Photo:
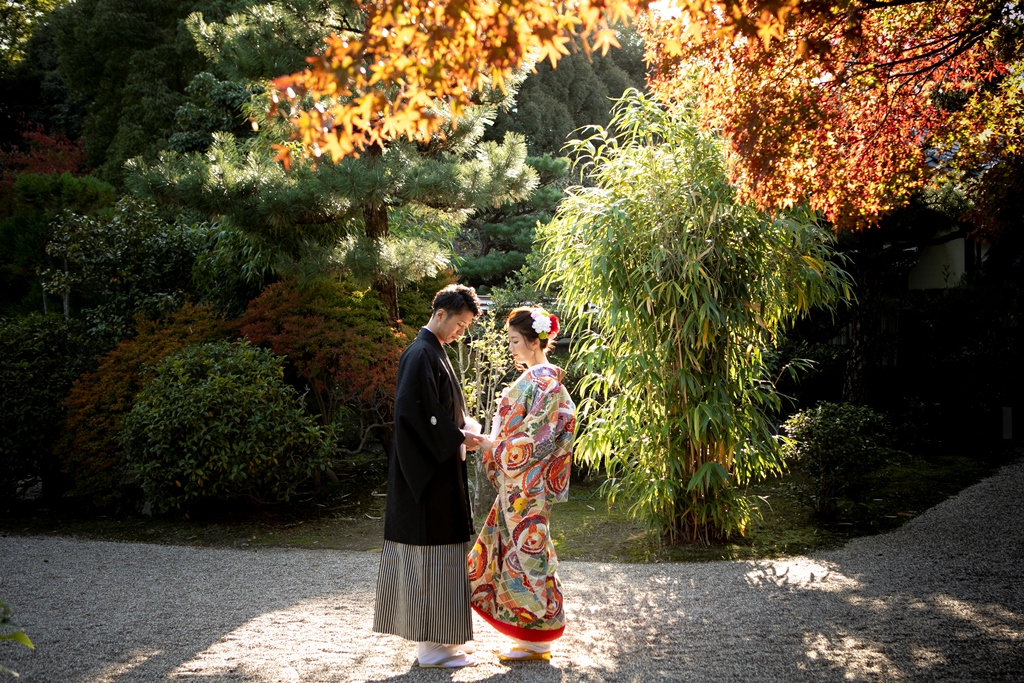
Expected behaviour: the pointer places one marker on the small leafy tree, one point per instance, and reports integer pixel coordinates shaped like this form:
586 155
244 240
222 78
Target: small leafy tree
484 365
29 206
837 445
217 421
675 291
126 261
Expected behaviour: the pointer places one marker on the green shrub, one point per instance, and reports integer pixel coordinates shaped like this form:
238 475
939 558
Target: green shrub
838 446
89 449
122 261
217 421
415 302
40 356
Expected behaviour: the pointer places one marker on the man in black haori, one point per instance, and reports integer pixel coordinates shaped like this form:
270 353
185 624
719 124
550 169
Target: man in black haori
423 584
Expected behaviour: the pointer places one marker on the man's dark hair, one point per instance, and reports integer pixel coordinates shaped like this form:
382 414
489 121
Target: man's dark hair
457 298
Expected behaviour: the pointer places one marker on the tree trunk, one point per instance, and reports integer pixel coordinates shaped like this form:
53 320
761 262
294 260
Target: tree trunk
855 379
375 218
67 293
483 490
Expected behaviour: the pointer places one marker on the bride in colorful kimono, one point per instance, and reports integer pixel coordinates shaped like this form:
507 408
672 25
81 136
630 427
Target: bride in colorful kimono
513 567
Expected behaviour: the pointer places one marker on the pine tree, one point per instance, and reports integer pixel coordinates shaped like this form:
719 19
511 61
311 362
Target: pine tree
384 214
495 244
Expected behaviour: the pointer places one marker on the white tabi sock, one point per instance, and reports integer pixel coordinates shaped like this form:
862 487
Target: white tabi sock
532 646
437 654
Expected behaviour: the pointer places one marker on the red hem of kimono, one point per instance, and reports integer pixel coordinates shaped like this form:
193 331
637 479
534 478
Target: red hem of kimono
528 634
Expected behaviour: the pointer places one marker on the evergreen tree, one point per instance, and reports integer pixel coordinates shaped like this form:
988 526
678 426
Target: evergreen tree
381 215
33 90
132 60
494 244
552 103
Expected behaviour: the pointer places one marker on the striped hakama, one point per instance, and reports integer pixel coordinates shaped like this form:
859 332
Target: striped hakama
423 593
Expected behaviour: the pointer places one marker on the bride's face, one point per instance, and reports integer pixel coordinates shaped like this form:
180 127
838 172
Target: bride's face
521 350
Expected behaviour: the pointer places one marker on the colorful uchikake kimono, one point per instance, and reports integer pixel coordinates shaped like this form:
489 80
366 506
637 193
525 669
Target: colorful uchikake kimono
512 567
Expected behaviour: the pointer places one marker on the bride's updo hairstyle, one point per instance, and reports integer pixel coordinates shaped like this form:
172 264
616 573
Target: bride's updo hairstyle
526 319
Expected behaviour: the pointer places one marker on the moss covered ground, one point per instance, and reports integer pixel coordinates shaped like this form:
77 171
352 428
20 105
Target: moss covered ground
585 528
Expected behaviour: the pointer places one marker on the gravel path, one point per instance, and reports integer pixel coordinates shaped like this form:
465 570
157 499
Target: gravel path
940 599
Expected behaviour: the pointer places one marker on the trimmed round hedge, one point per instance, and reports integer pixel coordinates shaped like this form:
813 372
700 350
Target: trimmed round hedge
217 421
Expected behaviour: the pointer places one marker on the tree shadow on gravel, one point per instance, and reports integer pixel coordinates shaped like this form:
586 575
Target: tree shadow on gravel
939 599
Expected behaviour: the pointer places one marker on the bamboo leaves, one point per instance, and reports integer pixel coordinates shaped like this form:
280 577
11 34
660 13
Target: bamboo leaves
685 288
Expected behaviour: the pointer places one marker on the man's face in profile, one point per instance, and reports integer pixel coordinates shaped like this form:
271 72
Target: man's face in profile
451 326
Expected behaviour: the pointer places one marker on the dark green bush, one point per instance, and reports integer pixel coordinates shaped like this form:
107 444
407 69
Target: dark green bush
122 261
415 302
40 356
838 446
217 421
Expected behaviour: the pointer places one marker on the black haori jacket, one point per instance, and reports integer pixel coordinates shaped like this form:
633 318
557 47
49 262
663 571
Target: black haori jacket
428 486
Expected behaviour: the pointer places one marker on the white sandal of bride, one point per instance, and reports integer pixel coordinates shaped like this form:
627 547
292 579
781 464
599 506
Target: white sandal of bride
522 654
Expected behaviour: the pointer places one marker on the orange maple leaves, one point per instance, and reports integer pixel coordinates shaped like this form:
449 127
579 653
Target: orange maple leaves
411 57
415 56
826 101
841 108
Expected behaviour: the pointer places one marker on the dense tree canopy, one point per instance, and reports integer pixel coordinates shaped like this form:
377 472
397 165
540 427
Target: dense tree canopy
855 107
380 79
18 18
553 103
847 103
133 61
380 215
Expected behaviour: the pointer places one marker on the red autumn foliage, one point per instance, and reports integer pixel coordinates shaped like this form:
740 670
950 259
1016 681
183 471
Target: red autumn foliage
41 154
839 109
44 154
340 345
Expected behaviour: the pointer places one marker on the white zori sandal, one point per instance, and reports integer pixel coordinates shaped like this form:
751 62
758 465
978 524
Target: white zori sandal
523 651
468 648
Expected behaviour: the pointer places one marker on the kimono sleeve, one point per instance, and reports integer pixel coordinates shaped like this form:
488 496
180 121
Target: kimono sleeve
425 431
530 434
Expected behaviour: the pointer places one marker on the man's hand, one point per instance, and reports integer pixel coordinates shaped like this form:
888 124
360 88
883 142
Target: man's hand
472 441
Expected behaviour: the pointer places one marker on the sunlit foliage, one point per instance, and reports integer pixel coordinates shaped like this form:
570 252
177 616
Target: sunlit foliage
854 108
383 77
674 291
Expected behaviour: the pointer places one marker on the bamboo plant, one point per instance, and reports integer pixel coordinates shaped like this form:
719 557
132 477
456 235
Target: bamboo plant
674 292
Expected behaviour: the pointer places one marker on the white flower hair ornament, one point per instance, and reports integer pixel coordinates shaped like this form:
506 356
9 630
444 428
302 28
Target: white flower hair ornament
544 323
